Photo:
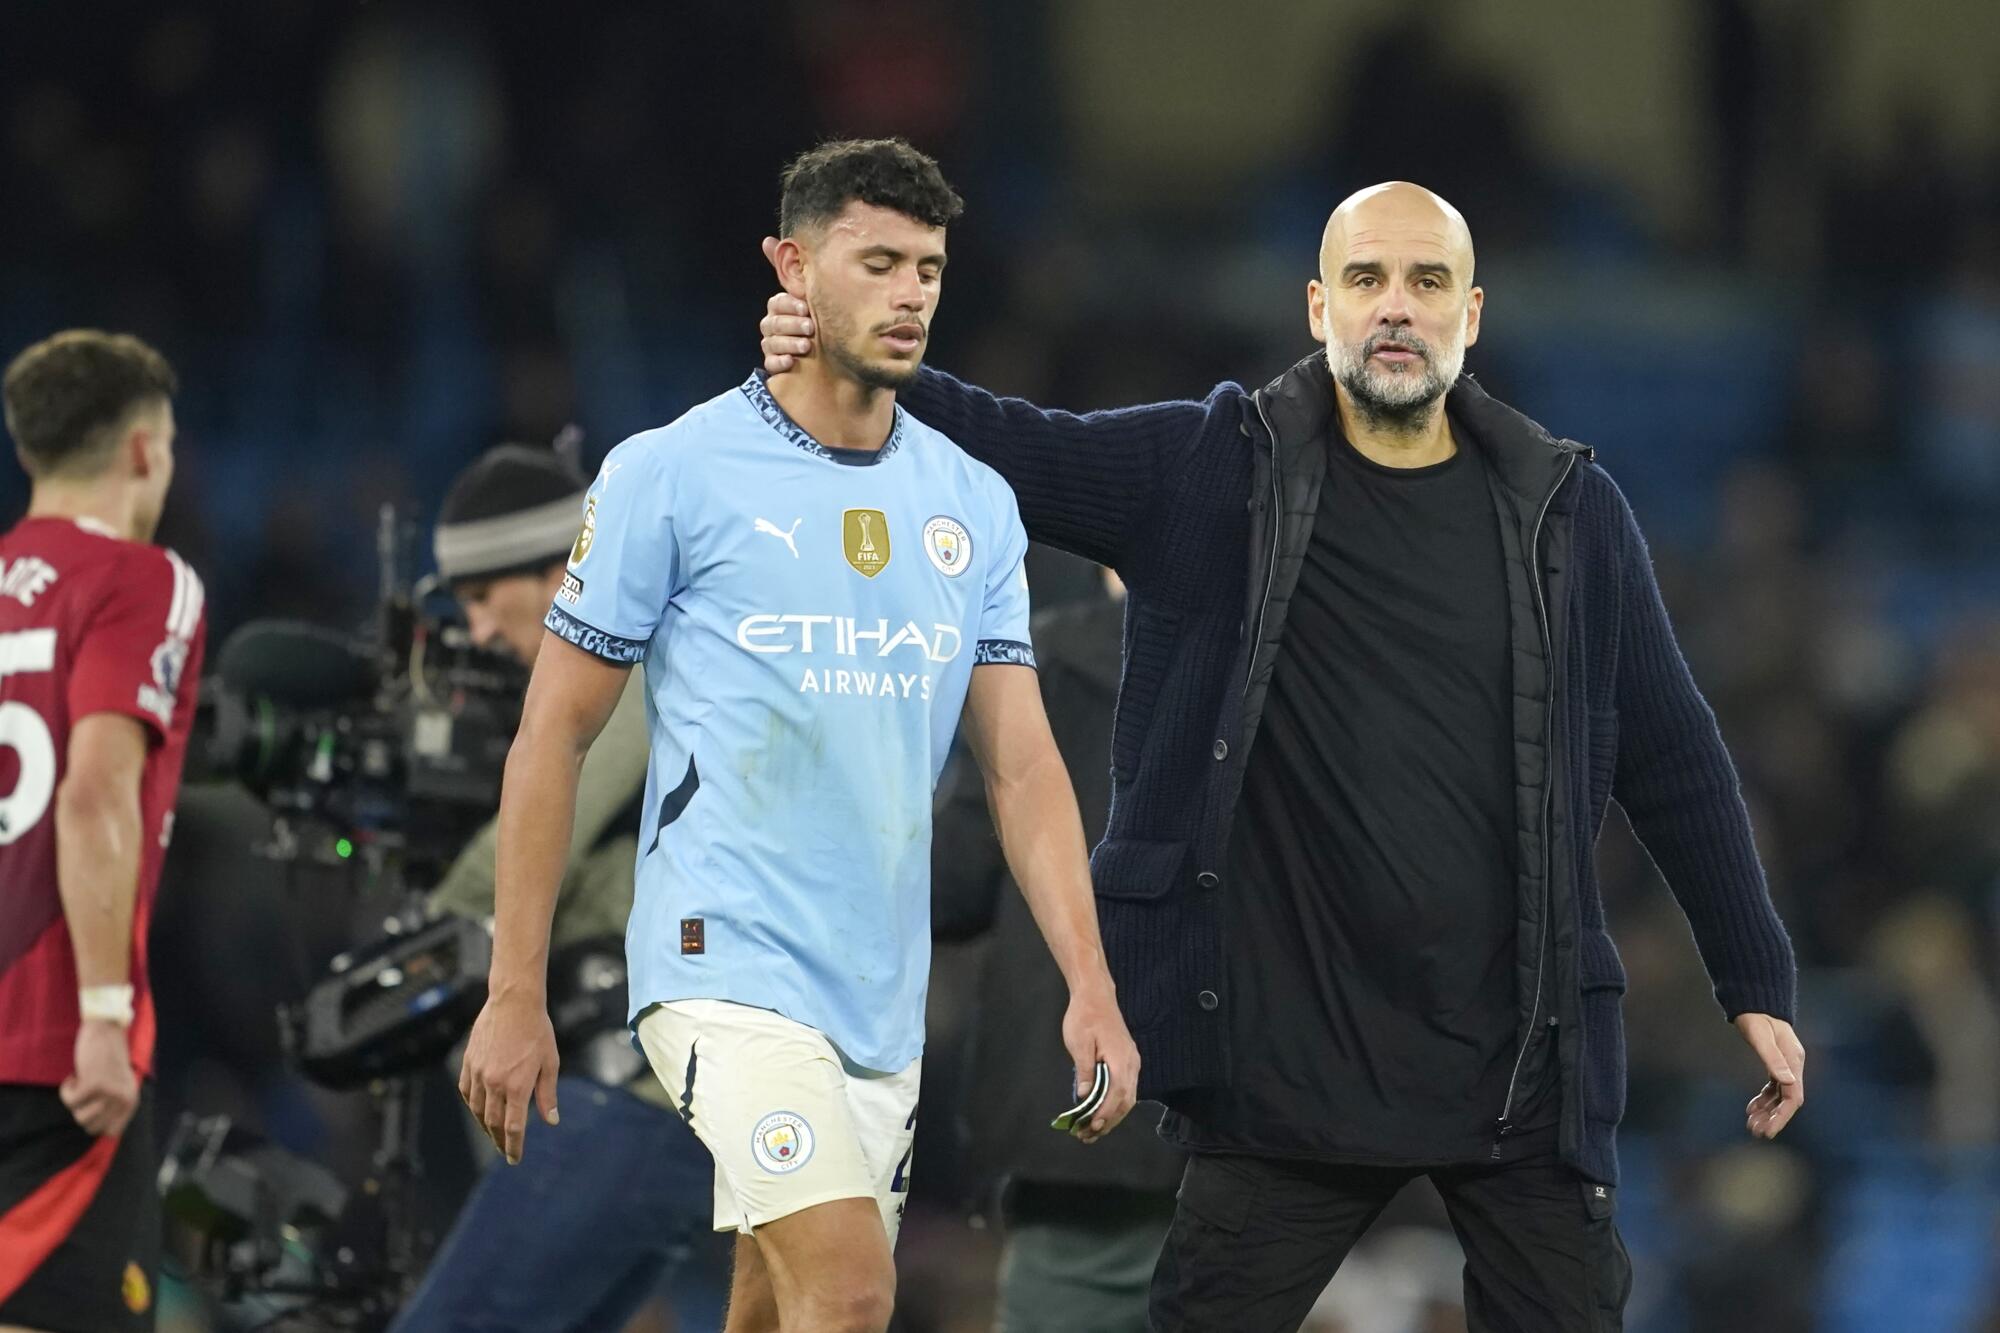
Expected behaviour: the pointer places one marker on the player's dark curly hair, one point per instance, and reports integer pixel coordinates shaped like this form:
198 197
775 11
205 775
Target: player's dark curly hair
887 173
65 393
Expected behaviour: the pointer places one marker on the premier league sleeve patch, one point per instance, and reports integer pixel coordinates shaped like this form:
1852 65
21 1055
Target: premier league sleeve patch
587 534
782 1142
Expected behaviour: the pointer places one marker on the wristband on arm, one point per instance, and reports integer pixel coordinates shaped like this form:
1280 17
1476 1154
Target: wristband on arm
110 1004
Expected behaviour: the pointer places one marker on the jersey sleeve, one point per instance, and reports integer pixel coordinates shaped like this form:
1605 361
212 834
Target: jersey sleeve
1003 618
625 565
137 645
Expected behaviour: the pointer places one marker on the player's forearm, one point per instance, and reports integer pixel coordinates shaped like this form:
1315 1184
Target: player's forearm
1042 835
98 831
537 811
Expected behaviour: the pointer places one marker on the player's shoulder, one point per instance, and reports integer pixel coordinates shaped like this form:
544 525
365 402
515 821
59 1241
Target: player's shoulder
144 560
137 567
124 586
160 574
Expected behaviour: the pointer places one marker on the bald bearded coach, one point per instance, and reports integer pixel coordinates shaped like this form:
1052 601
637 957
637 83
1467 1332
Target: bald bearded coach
1390 649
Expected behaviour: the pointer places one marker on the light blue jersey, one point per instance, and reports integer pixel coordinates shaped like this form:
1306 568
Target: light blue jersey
809 619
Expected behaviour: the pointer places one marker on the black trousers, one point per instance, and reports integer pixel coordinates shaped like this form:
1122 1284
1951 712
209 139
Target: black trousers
1255 1240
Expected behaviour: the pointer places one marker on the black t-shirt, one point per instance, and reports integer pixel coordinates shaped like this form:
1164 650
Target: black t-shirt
1371 892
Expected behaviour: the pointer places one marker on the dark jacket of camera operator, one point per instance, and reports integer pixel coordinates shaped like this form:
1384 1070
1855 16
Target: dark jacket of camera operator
597 879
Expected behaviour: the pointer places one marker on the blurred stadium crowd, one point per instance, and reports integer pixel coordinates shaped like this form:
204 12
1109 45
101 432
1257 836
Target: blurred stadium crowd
377 239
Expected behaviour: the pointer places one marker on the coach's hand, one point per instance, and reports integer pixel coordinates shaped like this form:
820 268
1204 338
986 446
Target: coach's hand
787 325
103 1092
1785 1062
510 1059
1094 1030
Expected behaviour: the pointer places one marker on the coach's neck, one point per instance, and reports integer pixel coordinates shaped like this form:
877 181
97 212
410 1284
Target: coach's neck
837 409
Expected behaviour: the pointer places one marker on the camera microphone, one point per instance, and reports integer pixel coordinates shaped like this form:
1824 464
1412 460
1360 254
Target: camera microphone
295 664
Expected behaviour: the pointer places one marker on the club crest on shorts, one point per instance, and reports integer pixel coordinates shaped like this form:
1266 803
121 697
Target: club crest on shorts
138 1292
948 545
864 537
782 1142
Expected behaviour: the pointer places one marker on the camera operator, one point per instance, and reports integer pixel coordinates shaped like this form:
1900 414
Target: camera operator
587 1226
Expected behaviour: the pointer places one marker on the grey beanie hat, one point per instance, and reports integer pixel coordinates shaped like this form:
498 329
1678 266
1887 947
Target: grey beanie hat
516 508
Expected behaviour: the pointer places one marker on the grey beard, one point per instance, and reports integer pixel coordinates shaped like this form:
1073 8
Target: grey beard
1400 404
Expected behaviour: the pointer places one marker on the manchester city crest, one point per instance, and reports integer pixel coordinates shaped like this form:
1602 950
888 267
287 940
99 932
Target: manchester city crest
782 1142
948 545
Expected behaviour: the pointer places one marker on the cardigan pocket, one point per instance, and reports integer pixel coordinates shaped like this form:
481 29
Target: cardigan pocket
1136 870
1147 928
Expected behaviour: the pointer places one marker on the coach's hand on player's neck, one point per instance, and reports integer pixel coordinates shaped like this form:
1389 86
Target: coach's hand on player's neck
872 276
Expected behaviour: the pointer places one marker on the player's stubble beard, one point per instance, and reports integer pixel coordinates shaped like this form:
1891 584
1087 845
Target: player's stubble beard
840 337
1399 402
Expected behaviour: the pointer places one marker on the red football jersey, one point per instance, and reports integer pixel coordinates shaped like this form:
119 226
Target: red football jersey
89 623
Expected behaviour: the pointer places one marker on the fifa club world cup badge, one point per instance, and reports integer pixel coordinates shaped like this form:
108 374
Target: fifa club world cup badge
782 1142
865 538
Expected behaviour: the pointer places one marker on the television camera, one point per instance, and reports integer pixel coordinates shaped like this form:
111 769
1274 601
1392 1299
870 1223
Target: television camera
381 753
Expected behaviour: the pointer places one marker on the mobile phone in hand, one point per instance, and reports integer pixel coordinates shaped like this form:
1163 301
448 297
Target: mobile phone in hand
1079 1115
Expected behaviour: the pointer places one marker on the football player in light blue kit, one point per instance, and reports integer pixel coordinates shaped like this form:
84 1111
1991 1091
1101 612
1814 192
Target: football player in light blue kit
817 586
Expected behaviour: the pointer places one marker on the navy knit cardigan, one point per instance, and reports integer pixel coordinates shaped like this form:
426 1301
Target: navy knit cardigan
1162 493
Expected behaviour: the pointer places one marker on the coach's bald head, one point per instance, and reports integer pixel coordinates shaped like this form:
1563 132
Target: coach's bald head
1399 211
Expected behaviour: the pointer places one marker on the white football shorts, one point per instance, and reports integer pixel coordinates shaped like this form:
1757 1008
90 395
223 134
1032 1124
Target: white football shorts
789 1122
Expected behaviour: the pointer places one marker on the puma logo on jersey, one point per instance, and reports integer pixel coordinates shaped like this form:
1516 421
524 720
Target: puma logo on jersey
766 525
